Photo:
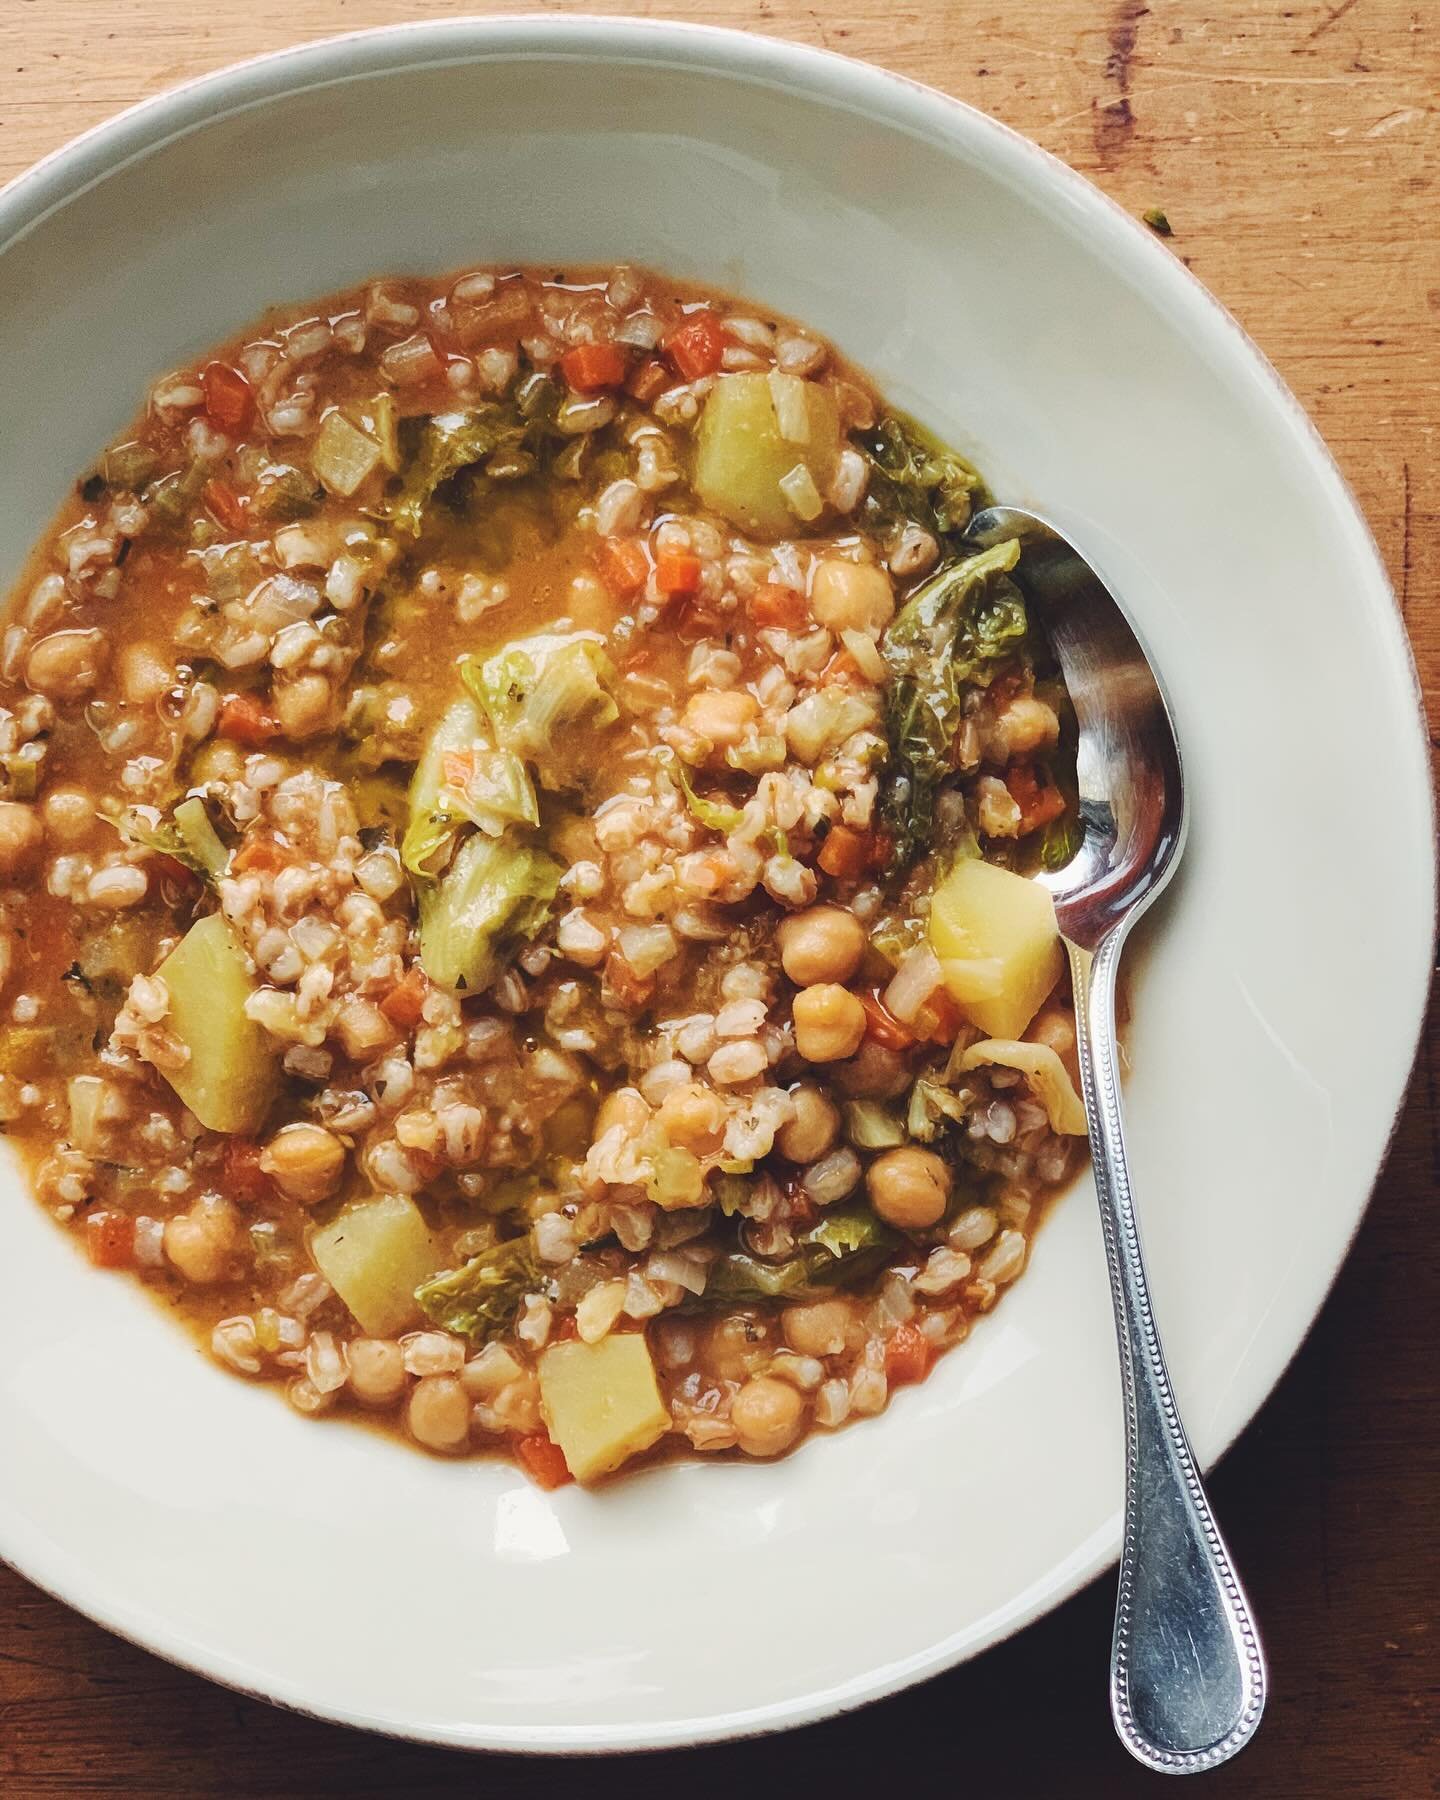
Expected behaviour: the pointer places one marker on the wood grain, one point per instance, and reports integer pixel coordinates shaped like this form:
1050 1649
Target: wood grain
1294 150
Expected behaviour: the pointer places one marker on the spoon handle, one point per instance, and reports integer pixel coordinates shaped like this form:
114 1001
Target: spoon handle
1187 1674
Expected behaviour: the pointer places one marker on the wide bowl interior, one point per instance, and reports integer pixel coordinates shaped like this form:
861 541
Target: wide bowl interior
1275 1004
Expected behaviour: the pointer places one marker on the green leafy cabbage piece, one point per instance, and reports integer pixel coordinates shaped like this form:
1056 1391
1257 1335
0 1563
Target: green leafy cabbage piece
447 443
846 1246
955 631
495 893
714 815
462 779
480 1299
535 687
914 477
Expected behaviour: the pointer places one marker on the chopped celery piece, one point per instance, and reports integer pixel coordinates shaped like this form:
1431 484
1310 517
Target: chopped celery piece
129 466
714 815
871 1126
375 1253
344 456
285 492
192 823
146 826
601 1402
493 894
231 1075
535 687
746 453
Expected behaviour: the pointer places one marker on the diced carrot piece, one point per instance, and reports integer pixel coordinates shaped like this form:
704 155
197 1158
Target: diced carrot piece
110 1240
244 1180
246 719
166 868
623 987
623 566
696 346
404 1005
458 768
543 1460
1039 802
938 1019
227 507
228 398
844 853
842 666
591 367
780 607
677 574
882 1027
649 381
258 853
907 1355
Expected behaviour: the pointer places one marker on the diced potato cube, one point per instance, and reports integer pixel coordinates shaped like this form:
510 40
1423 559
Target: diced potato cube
742 454
375 1254
232 1074
981 916
601 1402
1048 1077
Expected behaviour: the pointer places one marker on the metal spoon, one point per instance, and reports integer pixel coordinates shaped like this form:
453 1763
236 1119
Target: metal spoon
1187 1674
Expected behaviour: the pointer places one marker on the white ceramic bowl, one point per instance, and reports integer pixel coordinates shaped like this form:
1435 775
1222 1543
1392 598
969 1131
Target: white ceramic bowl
1012 307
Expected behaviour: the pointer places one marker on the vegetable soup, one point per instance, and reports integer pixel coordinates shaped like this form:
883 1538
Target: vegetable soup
519 807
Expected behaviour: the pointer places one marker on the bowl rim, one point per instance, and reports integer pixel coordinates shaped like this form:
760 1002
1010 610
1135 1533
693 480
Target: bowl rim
754 59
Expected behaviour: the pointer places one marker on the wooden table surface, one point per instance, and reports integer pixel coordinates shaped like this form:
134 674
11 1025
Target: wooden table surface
1293 146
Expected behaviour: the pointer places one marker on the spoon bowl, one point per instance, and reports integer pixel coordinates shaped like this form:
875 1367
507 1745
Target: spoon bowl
1187 1676
1132 790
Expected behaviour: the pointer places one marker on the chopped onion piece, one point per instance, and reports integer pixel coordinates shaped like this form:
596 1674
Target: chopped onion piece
801 494
866 653
916 979
792 409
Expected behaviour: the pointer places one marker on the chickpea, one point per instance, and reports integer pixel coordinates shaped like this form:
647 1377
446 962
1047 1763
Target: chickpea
908 1187
439 1414
819 1328
693 1115
68 814
517 1406
823 943
721 715
219 760
737 1345
305 1162
1026 725
1054 1027
377 1371
143 673
875 1072
767 1415
829 1022
812 1131
21 835
201 1243
850 596
67 664
304 706
624 1107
